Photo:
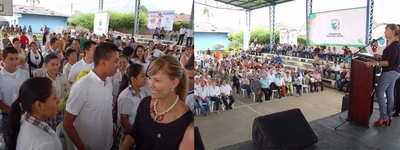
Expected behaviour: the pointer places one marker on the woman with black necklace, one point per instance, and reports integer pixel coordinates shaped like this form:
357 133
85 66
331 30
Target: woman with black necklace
35 58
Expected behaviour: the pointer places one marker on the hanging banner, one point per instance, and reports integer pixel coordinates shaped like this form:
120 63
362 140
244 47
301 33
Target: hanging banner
101 22
338 28
284 36
161 19
293 36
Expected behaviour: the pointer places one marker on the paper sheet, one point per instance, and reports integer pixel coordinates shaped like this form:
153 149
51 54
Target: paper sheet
369 50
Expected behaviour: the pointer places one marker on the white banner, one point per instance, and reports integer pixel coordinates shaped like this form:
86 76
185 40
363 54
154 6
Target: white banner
284 36
338 28
101 22
293 36
161 19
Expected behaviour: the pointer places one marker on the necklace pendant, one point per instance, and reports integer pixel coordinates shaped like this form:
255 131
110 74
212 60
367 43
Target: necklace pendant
159 135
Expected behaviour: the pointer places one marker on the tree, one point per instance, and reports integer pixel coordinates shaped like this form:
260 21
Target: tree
207 13
143 9
181 13
32 2
218 45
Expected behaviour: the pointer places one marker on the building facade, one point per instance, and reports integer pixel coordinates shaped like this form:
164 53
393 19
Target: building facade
37 17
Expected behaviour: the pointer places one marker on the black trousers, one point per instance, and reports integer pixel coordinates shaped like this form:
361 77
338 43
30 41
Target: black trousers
267 93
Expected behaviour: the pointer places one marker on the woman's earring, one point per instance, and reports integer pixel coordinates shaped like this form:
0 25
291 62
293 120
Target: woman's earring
172 90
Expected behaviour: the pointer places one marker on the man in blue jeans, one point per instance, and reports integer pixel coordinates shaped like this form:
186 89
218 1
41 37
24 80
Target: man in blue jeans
202 94
226 92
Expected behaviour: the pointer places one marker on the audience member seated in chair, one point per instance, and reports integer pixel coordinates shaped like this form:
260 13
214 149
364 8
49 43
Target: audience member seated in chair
343 80
288 82
202 98
256 87
280 83
174 34
226 92
236 82
245 84
335 69
296 83
309 80
215 94
317 80
265 87
328 68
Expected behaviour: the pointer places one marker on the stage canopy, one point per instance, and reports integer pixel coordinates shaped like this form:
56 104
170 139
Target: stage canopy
252 4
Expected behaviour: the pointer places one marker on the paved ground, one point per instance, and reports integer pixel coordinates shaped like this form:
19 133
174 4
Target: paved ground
235 126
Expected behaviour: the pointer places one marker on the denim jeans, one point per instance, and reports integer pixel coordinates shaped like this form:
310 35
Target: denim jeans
336 73
247 87
202 108
4 126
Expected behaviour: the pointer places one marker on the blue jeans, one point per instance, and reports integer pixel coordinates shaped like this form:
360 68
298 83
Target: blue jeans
4 126
336 73
202 108
247 87
230 98
189 39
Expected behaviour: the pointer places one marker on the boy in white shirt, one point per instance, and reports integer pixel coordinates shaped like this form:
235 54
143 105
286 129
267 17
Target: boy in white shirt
88 116
202 94
11 79
86 63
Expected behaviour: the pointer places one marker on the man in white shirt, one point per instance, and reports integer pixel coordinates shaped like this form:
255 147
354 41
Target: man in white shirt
189 36
88 116
84 64
182 32
158 40
202 98
11 79
335 69
279 82
226 92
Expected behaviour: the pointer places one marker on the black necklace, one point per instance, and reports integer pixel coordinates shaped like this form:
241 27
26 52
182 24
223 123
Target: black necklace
36 57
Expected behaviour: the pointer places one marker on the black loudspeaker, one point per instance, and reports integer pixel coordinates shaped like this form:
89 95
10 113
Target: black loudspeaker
283 130
198 142
345 102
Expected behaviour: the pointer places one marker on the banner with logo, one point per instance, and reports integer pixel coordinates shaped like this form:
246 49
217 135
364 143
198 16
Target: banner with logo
338 28
161 19
101 22
284 36
293 36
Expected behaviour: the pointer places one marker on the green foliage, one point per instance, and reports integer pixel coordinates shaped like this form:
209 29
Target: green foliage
117 20
301 41
177 25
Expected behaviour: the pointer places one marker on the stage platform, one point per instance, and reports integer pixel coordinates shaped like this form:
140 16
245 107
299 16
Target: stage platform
348 136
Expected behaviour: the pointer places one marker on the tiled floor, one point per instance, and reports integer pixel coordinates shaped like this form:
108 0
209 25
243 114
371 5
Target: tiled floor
235 126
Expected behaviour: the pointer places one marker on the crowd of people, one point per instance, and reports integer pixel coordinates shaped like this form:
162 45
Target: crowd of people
219 74
114 95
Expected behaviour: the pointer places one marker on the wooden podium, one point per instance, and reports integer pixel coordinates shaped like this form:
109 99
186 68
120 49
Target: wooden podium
362 86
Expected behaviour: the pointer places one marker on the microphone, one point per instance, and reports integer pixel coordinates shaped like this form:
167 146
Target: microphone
380 38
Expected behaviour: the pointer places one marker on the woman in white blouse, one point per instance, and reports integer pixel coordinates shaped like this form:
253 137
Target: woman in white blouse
139 57
117 78
128 100
61 84
37 98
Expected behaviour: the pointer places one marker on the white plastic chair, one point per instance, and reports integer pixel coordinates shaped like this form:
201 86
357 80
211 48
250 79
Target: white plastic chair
66 141
304 85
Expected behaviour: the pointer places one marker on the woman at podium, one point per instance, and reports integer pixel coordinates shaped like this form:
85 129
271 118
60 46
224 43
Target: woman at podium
390 62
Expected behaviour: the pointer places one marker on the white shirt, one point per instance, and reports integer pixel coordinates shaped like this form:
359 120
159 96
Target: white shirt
225 89
145 65
182 31
279 82
61 84
270 77
9 85
336 68
90 100
67 69
78 68
196 86
128 102
214 91
189 32
158 53
202 92
34 138
189 101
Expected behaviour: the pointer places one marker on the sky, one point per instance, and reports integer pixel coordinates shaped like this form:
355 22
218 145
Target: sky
293 13
64 6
